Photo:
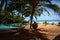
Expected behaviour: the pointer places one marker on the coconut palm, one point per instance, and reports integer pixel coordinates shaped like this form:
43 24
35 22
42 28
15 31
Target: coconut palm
31 9
36 7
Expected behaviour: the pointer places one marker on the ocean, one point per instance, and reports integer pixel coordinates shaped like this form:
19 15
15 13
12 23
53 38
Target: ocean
47 20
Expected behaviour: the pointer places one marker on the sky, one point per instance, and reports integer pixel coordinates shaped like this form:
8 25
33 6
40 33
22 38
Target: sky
53 15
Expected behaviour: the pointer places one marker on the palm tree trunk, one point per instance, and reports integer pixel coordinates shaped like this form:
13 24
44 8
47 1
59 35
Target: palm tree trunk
2 2
6 4
31 17
33 4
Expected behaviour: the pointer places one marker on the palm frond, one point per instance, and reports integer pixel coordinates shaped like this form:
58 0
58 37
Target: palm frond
38 11
49 1
46 10
35 17
54 7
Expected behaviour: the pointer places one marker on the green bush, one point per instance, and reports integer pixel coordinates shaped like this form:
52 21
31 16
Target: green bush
45 22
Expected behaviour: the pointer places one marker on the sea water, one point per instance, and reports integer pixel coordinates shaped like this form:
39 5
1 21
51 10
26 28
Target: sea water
8 26
38 21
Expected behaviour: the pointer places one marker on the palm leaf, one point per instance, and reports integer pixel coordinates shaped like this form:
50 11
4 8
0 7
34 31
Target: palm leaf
46 1
51 6
35 17
38 11
54 7
46 10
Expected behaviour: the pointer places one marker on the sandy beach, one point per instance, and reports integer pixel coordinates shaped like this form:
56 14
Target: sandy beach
50 30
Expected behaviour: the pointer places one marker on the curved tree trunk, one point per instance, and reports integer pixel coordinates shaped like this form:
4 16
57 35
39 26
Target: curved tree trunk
6 3
33 4
2 2
31 17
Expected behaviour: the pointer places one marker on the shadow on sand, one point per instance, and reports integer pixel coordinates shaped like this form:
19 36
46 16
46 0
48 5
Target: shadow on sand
57 37
23 34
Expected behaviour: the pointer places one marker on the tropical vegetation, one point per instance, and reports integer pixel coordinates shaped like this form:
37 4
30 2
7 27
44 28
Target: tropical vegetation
11 18
45 22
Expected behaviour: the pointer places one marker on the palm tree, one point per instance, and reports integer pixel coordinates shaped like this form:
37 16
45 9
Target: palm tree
36 7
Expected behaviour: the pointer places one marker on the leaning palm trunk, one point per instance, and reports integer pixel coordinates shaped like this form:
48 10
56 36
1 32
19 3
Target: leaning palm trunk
6 3
33 4
31 17
2 2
